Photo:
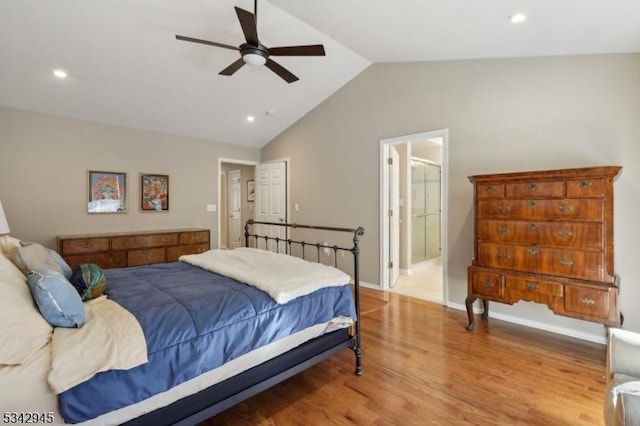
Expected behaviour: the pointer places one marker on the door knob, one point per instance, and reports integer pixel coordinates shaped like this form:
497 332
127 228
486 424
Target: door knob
281 220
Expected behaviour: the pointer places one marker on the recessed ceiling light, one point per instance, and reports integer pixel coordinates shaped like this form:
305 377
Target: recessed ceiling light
517 18
250 118
60 73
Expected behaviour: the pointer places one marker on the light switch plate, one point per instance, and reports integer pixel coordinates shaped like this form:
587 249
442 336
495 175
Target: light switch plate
211 208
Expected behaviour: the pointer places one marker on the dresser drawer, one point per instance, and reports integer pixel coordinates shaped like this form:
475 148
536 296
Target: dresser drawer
534 189
582 264
587 301
566 234
587 209
194 237
585 188
104 260
490 190
534 285
142 241
83 245
487 284
145 257
174 253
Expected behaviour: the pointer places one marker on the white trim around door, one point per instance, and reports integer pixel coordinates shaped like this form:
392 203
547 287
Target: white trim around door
385 203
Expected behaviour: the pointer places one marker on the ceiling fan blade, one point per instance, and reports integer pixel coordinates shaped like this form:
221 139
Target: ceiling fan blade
285 74
312 50
233 67
248 24
209 43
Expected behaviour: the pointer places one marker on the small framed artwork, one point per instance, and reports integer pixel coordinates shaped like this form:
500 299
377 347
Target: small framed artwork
251 190
154 192
107 192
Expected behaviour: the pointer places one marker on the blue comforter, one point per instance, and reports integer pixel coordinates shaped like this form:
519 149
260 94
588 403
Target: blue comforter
193 320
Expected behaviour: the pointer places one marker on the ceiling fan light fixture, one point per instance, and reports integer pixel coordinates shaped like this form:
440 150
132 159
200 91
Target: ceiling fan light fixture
254 59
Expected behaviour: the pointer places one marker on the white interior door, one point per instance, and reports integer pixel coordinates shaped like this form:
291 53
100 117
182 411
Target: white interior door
271 202
394 216
234 208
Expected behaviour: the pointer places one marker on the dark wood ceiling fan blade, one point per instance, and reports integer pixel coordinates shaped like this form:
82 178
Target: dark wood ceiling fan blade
312 50
248 24
285 74
208 43
233 67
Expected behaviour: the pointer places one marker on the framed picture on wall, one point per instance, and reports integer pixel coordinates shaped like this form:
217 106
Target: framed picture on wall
251 190
154 192
107 192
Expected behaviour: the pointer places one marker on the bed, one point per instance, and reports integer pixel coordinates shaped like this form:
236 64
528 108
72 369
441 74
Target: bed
211 341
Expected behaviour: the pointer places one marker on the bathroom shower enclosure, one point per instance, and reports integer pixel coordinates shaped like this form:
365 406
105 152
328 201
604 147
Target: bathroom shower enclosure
426 210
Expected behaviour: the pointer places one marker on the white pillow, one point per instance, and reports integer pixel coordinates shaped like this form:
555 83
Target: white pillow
23 331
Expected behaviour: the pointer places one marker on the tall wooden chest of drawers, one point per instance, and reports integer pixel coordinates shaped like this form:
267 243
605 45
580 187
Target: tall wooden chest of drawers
132 248
546 237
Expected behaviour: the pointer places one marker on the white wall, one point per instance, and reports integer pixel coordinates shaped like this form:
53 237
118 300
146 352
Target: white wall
503 115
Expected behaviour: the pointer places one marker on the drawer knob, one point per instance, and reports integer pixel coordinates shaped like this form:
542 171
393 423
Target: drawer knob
532 285
587 301
565 208
566 262
532 186
503 256
490 188
533 251
503 230
566 234
532 226
488 284
532 203
503 208
584 184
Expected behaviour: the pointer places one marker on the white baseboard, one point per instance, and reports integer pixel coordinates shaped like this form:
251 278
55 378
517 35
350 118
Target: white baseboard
535 324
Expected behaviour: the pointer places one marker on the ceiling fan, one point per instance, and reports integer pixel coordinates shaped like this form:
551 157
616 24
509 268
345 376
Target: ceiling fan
255 53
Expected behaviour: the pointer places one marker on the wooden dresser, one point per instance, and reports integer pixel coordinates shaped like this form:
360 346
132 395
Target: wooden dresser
546 237
132 248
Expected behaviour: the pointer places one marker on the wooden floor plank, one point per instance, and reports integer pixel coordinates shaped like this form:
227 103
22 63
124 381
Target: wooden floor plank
421 367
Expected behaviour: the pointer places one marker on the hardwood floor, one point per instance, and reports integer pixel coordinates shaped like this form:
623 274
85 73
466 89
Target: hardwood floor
421 367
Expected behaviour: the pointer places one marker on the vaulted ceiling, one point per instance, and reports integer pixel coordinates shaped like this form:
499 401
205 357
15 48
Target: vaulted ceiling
125 66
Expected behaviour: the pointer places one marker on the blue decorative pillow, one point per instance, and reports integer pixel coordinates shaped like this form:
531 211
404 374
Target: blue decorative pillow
89 281
57 300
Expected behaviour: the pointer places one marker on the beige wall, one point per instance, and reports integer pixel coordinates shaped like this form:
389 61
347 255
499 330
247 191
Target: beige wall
502 115
43 175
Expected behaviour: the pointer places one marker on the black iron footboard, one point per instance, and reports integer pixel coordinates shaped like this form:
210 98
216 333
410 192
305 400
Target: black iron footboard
288 243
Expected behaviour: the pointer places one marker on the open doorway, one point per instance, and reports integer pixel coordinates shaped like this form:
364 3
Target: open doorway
413 216
235 205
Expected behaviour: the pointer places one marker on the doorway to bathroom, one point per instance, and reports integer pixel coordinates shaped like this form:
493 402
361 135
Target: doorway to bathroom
414 218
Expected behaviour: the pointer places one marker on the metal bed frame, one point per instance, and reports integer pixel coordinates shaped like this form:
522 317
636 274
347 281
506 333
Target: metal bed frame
221 396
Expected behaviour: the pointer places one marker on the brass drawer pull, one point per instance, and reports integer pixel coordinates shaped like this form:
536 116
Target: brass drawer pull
532 186
503 256
584 184
566 234
565 262
565 208
488 284
489 188
503 230
503 208
587 302
87 246
532 226
532 203
531 285
533 251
